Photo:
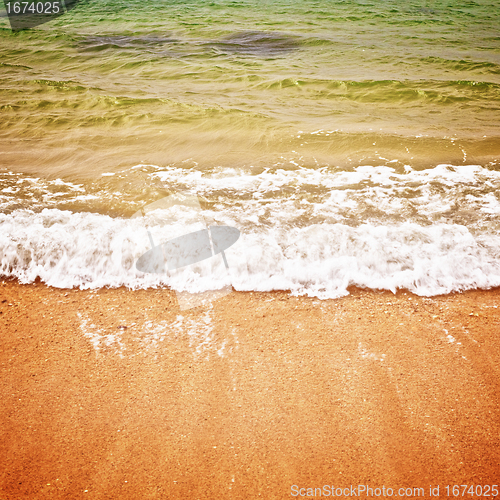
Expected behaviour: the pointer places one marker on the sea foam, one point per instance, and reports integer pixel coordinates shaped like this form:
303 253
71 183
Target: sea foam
85 250
311 231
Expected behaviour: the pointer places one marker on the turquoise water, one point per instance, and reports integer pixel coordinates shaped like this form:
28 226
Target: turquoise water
281 116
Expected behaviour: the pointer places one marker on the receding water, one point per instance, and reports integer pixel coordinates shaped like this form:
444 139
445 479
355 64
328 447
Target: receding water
351 142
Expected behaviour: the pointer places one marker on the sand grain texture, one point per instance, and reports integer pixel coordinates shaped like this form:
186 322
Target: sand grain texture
117 394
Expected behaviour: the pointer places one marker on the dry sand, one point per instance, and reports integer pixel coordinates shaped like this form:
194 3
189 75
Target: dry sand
244 399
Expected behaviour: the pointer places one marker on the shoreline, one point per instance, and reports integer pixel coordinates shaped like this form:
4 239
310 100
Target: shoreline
115 393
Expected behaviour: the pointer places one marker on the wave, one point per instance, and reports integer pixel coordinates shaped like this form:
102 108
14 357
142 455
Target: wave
483 67
441 92
288 191
84 250
313 232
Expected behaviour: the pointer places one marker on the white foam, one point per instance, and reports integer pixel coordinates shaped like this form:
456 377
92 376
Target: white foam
432 232
85 250
98 337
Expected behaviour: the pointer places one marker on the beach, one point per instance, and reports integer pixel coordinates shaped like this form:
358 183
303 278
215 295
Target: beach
333 166
113 393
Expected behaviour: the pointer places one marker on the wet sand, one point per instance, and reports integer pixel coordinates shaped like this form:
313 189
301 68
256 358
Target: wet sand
116 394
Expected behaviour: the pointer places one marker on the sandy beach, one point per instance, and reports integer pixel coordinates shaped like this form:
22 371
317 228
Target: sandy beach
297 151
118 394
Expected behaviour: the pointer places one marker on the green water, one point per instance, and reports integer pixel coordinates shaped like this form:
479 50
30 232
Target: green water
238 83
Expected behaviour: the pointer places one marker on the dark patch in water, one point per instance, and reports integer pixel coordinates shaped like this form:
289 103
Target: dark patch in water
257 43
35 13
98 43
425 10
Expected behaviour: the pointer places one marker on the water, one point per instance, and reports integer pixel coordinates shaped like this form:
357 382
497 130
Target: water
352 143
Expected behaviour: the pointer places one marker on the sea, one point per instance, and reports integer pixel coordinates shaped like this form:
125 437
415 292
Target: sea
353 143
